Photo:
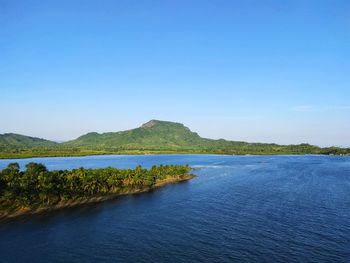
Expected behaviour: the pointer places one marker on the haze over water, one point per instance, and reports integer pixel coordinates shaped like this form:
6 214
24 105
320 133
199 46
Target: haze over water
238 208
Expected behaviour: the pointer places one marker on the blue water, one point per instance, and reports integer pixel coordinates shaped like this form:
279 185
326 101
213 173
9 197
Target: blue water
238 208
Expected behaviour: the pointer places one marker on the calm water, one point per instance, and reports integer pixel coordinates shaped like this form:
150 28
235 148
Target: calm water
248 208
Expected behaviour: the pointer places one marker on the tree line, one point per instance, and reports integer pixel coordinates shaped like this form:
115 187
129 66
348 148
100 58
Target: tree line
36 186
234 148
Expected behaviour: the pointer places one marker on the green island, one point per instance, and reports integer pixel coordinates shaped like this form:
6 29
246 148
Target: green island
37 189
153 137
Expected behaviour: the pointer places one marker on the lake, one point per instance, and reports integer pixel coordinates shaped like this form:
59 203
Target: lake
238 208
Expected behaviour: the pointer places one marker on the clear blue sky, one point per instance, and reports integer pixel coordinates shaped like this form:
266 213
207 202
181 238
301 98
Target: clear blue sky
269 71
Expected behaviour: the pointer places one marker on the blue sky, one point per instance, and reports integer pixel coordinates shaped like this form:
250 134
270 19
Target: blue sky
268 71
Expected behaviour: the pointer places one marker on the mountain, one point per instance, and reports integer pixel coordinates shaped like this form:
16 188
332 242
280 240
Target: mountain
17 141
154 136
157 135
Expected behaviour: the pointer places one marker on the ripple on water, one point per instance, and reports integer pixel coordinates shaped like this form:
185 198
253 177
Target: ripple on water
238 208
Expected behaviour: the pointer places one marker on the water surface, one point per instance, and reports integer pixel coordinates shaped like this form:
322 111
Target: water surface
238 208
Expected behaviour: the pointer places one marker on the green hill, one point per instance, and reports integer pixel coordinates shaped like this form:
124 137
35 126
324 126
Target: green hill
17 141
152 137
156 135
165 136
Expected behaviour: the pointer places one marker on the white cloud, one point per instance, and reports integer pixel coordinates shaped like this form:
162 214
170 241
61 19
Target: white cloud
338 108
307 108
303 108
345 108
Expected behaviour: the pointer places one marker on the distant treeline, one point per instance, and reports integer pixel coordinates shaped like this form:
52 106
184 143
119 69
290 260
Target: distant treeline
238 149
37 187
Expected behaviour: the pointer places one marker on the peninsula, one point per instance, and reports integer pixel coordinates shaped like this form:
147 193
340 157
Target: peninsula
36 189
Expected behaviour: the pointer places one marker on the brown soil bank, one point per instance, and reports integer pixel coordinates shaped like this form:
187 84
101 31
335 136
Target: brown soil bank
91 199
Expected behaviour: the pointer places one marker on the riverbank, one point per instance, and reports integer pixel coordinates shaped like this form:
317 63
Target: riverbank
6 156
89 200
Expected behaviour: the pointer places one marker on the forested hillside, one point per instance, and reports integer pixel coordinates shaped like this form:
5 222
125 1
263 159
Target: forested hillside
152 137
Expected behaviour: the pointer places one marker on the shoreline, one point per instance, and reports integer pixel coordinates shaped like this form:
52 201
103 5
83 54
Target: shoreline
90 200
160 153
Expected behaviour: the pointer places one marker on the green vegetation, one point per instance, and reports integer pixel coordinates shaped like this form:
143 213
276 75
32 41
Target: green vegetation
23 142
152 137
36 187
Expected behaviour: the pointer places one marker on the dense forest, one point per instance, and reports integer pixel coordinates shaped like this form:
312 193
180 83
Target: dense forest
152 137
37 187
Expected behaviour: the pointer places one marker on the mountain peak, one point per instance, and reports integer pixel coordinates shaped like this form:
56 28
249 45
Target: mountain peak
157 123
150 124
